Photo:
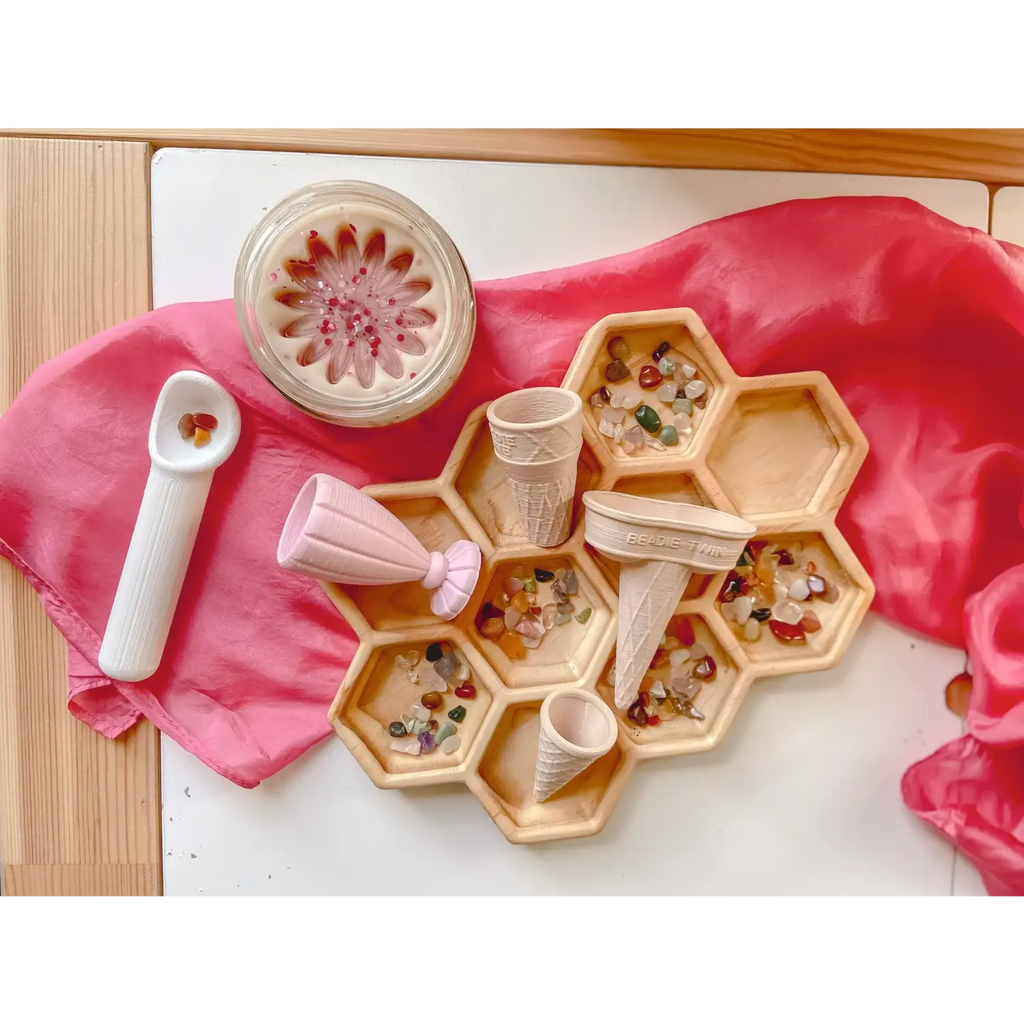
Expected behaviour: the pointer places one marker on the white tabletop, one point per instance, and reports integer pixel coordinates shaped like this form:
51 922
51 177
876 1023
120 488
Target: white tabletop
803 794
1008 215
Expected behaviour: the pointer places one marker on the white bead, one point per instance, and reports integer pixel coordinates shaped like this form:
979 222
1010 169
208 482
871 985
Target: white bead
682 424
678 658
788 611
698 651
751 630
607 428
658 689
688 370
450 744
420 712
694 389
406 745
666 393
620 429
631 399
613 415
744 606
616 401
799 590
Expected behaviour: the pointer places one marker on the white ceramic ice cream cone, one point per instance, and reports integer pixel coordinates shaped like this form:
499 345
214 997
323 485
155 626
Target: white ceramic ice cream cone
576 728
537 435
658 543
649 592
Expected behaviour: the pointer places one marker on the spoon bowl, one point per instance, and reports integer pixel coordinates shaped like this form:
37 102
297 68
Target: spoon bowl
190 391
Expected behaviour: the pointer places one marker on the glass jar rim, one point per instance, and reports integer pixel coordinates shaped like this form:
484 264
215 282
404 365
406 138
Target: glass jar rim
452 350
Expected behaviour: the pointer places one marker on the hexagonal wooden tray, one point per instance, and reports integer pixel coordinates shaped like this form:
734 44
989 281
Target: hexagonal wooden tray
781 451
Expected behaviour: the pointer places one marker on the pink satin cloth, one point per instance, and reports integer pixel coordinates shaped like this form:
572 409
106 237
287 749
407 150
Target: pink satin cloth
918 322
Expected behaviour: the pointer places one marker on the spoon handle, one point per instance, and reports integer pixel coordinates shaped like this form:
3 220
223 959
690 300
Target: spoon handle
154 569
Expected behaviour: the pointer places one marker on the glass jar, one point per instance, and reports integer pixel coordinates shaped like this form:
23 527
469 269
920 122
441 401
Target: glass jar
354 303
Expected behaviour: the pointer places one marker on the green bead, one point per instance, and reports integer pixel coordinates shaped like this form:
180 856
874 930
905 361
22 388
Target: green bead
457 714
648 419
683 405
668 436
584 615
446 730
530 585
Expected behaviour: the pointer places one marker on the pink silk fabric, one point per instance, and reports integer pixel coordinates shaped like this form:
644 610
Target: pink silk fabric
918 322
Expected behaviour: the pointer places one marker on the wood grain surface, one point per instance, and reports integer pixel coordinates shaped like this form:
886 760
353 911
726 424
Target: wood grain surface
79 814
995 156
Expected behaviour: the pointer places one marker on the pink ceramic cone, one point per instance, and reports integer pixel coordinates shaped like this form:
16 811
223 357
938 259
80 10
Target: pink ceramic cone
335 532
658 543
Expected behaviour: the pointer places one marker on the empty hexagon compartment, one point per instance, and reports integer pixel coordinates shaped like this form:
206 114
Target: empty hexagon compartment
717 700
786 448
378 691
570 652
644 334
839 611
482 485
504 783
402 605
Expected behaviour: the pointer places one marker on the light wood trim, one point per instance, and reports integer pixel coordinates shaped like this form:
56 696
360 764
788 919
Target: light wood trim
79 814
995 156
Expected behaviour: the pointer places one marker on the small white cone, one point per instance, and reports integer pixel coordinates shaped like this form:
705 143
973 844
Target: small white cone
576 728
649 592
537 434
543 493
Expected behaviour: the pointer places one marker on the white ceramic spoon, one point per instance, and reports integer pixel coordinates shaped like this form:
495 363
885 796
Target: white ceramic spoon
165 531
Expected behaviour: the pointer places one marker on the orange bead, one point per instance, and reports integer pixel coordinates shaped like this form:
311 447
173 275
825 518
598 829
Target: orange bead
958 694
512 645
810 622
521 602
201 438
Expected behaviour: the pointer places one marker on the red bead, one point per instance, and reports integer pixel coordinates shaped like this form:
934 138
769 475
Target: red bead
683 629
535 611
654 720
398 321
787 633
637 714
333 301
350 324
205 420
401 337
705 670
644 698
391 302
313 234
650 377
467 691
357 317
373 352
366 312
362 270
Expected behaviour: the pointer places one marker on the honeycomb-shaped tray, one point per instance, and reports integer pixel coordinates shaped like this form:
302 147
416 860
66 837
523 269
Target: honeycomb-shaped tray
781 451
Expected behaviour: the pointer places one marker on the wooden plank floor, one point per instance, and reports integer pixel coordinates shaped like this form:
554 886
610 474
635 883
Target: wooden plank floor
80 814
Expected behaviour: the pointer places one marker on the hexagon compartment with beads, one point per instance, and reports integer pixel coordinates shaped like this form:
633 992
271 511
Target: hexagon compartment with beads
781 451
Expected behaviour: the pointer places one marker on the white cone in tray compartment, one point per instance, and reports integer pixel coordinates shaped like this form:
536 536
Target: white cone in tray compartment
576 728
335 532
537 435
659 544
172 506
